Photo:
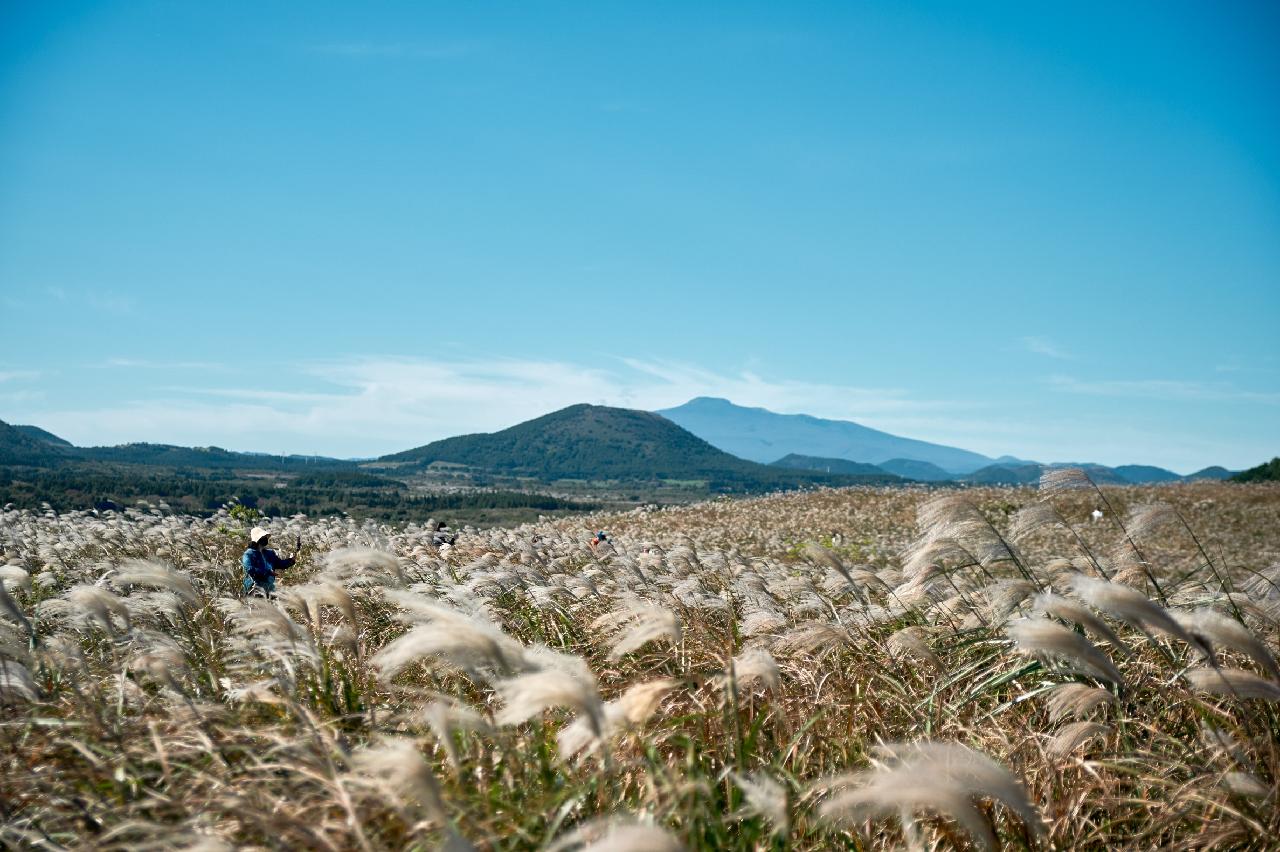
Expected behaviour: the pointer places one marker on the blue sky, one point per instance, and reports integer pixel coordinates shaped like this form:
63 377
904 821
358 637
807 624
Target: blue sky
355 228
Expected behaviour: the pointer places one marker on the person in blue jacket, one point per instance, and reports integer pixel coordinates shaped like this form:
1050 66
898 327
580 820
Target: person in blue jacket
261 564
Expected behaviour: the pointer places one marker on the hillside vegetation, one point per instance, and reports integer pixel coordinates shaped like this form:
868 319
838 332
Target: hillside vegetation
1266 472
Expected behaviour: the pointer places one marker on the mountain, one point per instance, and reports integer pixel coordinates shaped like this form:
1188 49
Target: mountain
204 458
920 471
17 446
600 443
1142 474
795 462
760 435
1215 472
42 435
1006 474
1266 472
1014 460
1029 474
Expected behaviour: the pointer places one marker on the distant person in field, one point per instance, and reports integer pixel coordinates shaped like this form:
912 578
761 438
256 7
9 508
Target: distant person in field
600 543
261 564
441 535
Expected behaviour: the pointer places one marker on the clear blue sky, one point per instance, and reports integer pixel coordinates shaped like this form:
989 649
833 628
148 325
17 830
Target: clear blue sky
354 228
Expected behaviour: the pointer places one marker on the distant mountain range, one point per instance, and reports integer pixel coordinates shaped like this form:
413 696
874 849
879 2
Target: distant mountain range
764 436
799 440
706 446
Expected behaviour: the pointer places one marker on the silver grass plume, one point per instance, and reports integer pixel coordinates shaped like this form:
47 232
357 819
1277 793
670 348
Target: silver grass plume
258 616
1057 480
528 695
812 637
363 564
765 798
445 716
9 607
1075 699
1075 735
462 641
910 640
1147 518
1244 784
628 711
1221 742
928 553
100 605
157 575
754 665
1128 605
396 765
1032 517
14 645
14 577
312 595
1236 683
259 692
642 623
612 834
1069 610
940 777
1042 637
761 621
16 682
1004 596
819 555
1213 628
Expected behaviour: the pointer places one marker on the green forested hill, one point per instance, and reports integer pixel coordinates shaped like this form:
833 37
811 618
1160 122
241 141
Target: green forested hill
794 461
1266 472
600 443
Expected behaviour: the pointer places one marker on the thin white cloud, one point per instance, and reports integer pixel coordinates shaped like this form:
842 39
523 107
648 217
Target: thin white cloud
376 405
145 364
18 375
1172 390
1046 347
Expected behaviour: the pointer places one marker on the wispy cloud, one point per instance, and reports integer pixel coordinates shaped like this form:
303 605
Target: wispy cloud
1046 347
1163 389
146 364
18 375
380 404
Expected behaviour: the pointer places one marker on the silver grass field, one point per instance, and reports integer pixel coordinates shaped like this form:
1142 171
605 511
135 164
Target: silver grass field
840 669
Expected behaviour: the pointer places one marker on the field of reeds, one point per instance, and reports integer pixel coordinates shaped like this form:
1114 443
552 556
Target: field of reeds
848 669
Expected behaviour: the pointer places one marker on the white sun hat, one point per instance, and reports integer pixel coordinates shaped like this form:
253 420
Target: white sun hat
257 534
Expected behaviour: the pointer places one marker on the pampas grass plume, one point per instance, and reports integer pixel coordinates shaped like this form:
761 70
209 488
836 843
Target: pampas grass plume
1075 735
1075 699
1236 683
1040 636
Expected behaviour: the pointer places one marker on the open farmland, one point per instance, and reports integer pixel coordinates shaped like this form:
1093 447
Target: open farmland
858 668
